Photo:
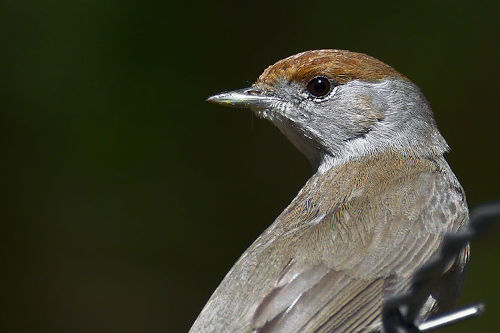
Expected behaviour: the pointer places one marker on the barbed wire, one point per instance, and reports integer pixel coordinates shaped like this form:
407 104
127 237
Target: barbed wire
400 313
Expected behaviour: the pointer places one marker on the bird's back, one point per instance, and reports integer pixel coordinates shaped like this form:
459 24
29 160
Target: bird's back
352 237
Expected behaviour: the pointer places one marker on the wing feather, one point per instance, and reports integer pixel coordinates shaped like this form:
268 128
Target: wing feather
352 237
349 298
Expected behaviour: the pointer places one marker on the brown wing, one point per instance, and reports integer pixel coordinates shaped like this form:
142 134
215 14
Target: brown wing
351 237
344 290
320 300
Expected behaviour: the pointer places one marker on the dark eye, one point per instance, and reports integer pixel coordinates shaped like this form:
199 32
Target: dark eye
319 86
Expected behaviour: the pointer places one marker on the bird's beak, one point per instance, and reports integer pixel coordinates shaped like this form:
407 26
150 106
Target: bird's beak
253 98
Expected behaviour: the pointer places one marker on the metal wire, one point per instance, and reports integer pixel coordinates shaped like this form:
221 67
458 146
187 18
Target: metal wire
400 313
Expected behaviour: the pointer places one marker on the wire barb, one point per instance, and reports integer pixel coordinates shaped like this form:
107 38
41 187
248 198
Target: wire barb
451 318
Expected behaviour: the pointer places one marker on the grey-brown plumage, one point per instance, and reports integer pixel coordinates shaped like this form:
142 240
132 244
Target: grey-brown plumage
352 237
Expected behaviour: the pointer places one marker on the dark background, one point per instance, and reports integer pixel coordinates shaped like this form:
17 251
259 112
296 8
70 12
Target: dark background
127 197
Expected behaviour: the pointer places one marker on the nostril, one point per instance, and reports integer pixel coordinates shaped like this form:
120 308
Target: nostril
254 92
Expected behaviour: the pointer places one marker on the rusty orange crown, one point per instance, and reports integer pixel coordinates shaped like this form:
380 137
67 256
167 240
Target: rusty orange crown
339 65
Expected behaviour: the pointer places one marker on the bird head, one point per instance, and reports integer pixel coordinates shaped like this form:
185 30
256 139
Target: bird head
336 105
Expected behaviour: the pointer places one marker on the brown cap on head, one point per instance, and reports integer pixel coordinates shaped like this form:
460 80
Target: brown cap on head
339 65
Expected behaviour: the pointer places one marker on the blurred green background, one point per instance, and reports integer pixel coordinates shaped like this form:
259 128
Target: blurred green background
127 197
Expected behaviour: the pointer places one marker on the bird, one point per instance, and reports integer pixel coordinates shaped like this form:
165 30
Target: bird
376 208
